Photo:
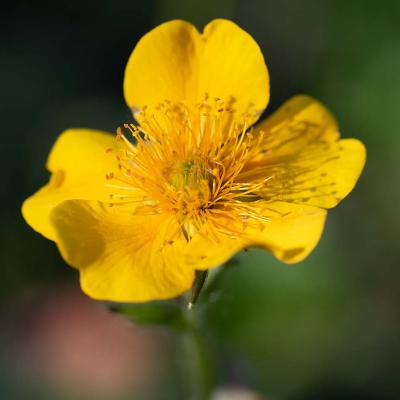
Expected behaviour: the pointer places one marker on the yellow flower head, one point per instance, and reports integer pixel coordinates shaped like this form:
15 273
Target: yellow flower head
193 181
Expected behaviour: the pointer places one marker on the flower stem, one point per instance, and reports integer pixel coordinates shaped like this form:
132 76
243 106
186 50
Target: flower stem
201 374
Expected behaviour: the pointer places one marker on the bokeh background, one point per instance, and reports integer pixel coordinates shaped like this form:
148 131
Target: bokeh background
327 328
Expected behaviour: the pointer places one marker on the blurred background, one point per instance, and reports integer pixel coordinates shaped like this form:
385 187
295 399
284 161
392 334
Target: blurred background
327 328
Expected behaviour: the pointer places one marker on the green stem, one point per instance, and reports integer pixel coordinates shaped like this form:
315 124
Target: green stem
202 382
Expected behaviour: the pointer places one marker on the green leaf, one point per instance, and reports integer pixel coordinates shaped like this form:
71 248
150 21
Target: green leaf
164 313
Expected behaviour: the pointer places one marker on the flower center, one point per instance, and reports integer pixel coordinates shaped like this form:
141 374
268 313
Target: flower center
187 162
189 174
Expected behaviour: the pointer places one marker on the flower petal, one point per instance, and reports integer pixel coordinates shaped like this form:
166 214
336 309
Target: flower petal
291 234
121 257
303 158
78 163
176 62
298 121
204 253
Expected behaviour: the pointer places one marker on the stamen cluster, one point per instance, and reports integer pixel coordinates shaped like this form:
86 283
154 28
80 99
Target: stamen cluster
188 162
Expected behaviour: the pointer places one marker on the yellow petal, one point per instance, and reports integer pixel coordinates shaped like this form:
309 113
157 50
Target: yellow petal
299 122
290 235
176 62
205 253
328 175
78 163
121 257
303 158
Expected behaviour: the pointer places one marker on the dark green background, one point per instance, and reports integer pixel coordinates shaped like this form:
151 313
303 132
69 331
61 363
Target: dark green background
327 328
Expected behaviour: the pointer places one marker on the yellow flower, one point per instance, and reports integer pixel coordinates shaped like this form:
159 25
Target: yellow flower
192 183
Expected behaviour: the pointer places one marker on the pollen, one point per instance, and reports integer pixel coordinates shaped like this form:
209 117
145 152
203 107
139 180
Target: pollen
188 162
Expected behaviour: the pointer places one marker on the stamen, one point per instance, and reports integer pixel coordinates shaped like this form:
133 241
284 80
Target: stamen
189 163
